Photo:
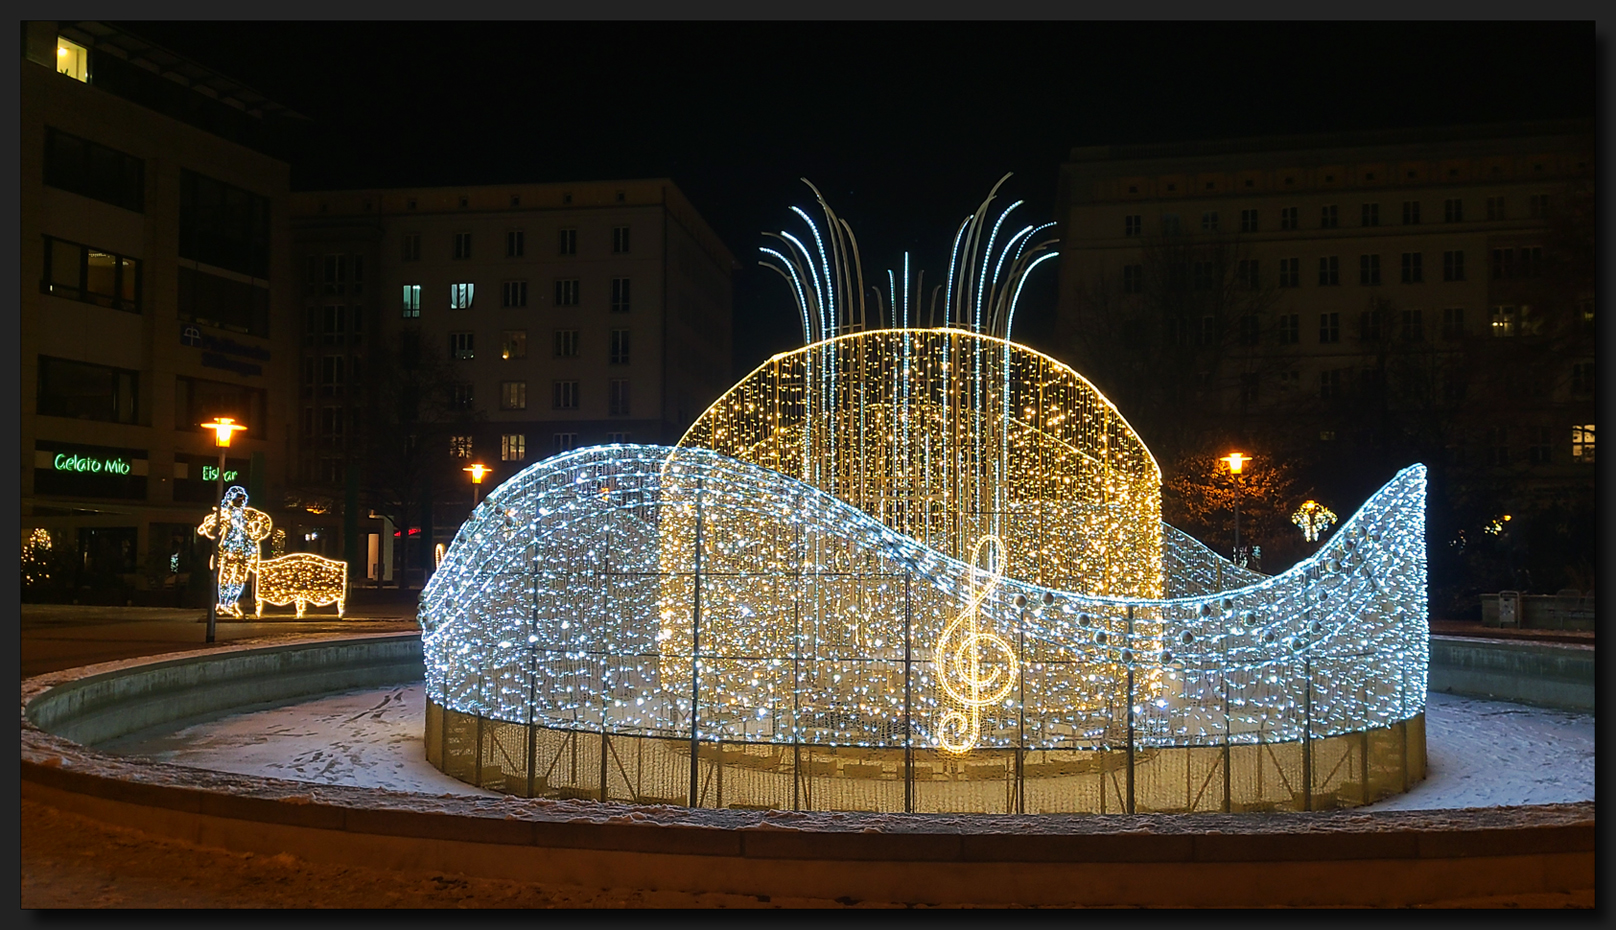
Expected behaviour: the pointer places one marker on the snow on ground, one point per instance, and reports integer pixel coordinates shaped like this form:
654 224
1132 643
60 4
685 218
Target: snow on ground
1481 753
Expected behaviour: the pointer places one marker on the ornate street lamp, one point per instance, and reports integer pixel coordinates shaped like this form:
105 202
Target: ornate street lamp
223 428
1237 463
477 471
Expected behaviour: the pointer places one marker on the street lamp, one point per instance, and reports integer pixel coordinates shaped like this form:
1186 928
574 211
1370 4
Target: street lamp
1237 463
477 470
223 428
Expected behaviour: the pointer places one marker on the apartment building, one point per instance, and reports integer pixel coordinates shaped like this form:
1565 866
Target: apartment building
1322 292
154 263
565 315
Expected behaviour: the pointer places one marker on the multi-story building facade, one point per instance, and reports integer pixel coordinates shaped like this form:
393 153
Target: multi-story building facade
154 269
1352 302
561 315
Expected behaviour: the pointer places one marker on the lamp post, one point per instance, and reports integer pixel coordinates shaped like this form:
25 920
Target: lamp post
223 428
477 471
1237 463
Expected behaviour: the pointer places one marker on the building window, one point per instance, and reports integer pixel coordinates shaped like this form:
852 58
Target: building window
617 437
1495 208
462 395
1503 263
1453 266
1538 452
1582 378
1329 386
412 247
565 442
461 296
1369 326
619 239
1289 328
514 243
620 295
1585 315
1452 324
512 447
462 245
1201 276
1287 218
566 292
1169 224
513 395
1248 221
1289 381
1498 446
1246 273
79 272
567 242
1538 205
89 392
513 294
460 447
1413 267
1248 387
91 170
460 346
619 397
1290 272
73 60
566 343
1531 262
336 275
335 330
619 347
564 395
1582 444
1413 329
1329 327
1132 224
1133 279
358 274
1369 269
412 301
1250 326
1329 218
1209 221
1503 321
1371 214
1453 211
513 344
1329 271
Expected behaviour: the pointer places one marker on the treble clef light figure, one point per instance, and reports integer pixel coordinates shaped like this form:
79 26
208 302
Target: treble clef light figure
961 651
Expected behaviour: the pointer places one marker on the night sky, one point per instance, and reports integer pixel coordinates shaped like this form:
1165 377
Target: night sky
903 126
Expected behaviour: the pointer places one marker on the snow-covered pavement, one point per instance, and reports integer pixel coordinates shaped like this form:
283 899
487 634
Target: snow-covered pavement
1481 753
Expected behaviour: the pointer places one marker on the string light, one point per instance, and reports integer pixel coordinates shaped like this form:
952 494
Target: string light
243 529
35 557
301 578
1314 518
906 539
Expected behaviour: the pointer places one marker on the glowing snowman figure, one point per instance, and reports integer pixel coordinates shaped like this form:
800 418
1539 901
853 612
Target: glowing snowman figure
237 551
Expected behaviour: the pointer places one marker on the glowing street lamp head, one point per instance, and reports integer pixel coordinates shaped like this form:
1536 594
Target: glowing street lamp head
223 428
1237 461
477 472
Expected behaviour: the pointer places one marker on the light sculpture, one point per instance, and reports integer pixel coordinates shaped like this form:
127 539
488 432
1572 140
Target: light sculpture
298 578
914 568
237 530
1314 519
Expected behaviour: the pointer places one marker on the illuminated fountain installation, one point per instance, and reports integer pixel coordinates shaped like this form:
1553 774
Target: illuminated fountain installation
914 568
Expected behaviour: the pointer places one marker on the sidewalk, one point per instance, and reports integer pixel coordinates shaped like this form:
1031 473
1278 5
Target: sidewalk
1459 628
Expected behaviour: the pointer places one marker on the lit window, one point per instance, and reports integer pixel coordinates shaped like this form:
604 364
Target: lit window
72 60
513 344
412 300
461 295
1582 443
460 447
1503 321
512 447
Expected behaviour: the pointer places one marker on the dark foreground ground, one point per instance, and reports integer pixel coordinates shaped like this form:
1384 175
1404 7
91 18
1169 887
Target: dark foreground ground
69 861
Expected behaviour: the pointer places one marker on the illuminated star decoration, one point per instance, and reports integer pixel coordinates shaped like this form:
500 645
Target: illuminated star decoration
1314 519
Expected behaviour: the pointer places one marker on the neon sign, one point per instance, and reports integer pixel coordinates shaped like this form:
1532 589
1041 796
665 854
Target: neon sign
85 463
211 473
